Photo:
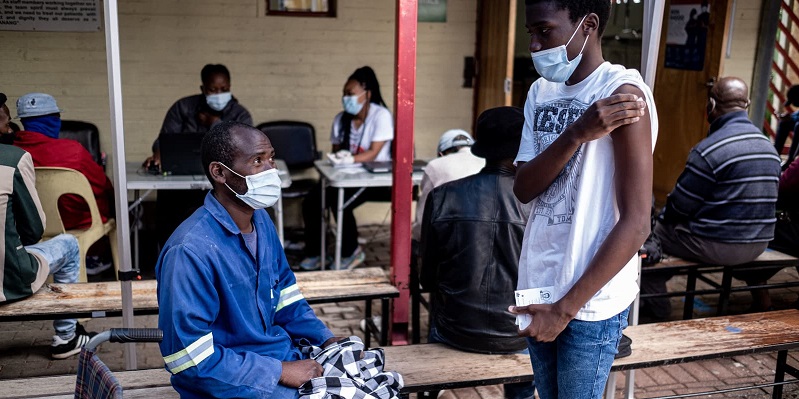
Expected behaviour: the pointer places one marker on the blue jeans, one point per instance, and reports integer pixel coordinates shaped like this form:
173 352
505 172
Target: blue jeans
63 255
516 390
577 364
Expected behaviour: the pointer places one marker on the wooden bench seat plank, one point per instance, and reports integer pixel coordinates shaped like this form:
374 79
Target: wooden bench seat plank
766 259
715 337
85 298
653 345
437 366
60 385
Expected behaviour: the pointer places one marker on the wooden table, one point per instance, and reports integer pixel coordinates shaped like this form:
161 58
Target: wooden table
104 299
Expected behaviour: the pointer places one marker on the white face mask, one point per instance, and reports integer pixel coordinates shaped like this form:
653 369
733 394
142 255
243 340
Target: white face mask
219 101
553 64
263 189
351 104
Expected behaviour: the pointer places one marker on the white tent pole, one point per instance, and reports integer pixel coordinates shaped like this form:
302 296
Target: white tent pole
118 163
653 27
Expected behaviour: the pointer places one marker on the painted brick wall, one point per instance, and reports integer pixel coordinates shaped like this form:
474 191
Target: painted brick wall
282 67
746 27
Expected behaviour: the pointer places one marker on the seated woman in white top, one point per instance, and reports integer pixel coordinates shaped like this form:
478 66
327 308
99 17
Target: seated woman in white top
365 128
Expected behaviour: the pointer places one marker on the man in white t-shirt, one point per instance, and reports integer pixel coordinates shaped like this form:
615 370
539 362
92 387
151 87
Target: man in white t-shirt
455 161
585 161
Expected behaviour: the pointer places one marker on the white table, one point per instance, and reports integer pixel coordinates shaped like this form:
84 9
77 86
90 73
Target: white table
138 179
348 177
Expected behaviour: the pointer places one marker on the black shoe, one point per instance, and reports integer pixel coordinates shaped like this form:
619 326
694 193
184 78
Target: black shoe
61 349
625 348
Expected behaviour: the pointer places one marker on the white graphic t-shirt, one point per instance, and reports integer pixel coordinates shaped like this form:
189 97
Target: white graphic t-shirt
378 126
572 218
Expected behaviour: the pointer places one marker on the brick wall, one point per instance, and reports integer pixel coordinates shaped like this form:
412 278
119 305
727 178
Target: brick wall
746 28
282 67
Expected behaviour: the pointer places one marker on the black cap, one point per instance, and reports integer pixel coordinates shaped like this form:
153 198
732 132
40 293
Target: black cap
792 96
3 99
499 132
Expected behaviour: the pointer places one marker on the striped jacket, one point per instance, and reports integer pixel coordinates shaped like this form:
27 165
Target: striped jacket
728 190
22 273
230 316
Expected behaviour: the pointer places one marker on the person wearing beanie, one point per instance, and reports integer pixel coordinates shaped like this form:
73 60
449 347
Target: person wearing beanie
471 239
41 121
455 161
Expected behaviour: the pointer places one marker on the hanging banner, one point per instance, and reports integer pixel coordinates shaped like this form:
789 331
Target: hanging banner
686 38
49 15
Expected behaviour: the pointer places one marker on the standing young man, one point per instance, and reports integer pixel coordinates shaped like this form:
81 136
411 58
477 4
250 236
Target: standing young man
585 161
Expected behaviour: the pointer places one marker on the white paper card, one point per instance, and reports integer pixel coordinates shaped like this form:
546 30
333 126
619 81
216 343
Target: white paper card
531 296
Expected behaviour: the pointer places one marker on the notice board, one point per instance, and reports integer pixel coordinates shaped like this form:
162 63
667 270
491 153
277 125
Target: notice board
50 15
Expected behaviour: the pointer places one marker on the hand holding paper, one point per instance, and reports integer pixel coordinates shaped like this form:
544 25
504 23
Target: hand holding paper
531 296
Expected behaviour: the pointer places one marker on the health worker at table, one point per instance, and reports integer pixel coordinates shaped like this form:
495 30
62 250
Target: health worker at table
361 133
194 114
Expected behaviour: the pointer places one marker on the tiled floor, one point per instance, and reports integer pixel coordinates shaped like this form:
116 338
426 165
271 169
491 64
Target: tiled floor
24 345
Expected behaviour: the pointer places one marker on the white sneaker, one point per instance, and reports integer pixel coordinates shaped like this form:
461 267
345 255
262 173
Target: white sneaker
375 319
353 260
62 349
95 266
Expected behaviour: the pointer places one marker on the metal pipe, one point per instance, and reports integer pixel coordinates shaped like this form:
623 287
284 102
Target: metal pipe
404 102
118 163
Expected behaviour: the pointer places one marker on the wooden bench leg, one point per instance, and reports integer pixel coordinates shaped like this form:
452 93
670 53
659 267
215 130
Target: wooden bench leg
367 322
690 287
726 285
416 318
385 319
779 375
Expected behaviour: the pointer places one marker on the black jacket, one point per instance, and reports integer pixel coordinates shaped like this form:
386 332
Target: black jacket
182 116
471 240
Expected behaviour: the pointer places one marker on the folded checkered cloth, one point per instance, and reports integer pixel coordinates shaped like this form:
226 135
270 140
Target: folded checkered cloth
348 375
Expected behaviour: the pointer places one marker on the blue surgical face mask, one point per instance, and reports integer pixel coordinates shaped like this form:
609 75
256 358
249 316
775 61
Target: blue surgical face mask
553 64
263 189
351 104
49 126
218 102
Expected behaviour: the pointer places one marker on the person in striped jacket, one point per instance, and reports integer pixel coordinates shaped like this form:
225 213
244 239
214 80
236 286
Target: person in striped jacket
722 210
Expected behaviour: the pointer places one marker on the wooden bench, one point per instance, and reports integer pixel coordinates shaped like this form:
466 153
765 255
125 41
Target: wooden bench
700 271
104 299
429 367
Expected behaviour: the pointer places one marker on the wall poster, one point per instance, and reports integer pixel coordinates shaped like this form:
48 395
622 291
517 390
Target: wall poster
686 39
50 15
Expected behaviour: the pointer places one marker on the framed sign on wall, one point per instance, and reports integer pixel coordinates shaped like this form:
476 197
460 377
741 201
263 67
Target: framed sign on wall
302 8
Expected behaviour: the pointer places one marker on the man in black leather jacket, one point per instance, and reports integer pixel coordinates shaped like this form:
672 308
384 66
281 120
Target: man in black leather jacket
472 232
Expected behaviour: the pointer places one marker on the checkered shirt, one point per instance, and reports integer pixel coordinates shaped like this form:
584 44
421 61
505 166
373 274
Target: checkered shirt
348 375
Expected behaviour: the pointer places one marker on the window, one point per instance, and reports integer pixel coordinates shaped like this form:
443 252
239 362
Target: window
302 8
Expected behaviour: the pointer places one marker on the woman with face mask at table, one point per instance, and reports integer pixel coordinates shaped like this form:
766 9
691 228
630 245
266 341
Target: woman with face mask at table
365 129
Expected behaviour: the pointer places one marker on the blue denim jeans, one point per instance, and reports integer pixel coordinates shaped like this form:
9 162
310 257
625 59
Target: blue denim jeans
577 364
63 255
516 390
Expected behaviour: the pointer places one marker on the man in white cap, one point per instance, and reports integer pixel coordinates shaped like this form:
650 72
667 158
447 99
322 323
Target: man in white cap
41 121
455 161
